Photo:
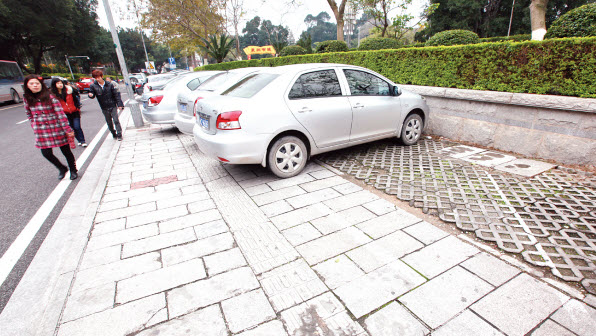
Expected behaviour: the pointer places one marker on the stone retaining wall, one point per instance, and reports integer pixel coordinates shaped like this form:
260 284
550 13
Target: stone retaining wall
538 126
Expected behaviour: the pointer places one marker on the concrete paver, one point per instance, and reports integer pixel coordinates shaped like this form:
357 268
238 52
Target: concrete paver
240 318
392 320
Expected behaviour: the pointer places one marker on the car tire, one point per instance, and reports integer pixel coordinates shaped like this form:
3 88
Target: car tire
287 157
15 96
411 130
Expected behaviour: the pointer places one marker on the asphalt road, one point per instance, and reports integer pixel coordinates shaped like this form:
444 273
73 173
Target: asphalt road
27 179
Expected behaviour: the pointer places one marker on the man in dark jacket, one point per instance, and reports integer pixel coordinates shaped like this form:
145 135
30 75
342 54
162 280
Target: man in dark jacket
109 100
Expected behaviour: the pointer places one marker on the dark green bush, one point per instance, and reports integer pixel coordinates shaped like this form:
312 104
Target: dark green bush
453 37
331 46
556 66
292 50
578 22
512 38
377 43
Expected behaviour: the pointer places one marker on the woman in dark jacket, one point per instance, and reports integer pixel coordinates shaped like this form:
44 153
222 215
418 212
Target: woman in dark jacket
49 124
71 105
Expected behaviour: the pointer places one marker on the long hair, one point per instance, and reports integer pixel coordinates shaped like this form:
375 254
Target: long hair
42 96
54 89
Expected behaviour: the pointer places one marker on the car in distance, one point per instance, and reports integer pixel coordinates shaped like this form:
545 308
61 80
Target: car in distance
281 117
84 83
11 82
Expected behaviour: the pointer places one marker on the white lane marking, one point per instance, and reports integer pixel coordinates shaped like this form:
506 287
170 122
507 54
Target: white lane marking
9 107
22 121
20 244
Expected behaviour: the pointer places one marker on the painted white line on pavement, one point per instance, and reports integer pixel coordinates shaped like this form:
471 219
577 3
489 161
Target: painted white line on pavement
9 107
18 247
22 121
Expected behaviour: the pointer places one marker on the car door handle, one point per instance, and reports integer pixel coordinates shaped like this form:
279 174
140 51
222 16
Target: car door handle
304 109
358 105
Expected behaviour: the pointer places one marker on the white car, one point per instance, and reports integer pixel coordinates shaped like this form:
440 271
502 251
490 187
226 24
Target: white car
282 116
185 117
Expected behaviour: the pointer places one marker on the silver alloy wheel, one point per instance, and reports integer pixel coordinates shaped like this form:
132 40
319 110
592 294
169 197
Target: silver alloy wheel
289 157
412 129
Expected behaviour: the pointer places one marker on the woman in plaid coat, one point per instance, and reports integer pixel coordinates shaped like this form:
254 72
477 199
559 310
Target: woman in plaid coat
49 124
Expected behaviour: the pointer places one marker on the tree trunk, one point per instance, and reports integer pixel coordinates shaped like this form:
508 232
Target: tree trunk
338 12
538 19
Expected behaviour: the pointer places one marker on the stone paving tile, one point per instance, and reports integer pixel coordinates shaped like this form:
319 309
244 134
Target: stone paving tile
200 248
276 208
201 206
442 298
155 216
121 320
210 229
322 183
120 237
519 305
113 205
577 317
292 181
258 190
348 188
239 317
126 212
387 223
194 219
300 234
159 242
267 329
371 291
465 324
491 269
393 320
550 328
312 198
321 174
109 226
338 271
206 321
351 200
178 184
209 291
323 315
380 207
114 194
383 250
90 301
291 284
102 256
341 220
193 189
299 216
440 256
274 196
181 200
122 269
224 261
331 245
425 232
159 280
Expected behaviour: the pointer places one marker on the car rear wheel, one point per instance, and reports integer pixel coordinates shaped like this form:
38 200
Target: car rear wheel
412 129
15 96
287 157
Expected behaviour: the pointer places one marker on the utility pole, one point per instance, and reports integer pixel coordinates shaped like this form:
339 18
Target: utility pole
511 18
69 68
132 103
140 31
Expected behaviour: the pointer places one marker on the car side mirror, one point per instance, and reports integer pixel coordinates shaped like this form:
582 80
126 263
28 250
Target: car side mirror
396 91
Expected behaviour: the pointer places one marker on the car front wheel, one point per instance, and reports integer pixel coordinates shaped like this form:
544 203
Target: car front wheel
15 96
287 157
412 129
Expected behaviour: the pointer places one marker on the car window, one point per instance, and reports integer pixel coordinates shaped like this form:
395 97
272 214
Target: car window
316 84
221 80
250 85
365 84
193 84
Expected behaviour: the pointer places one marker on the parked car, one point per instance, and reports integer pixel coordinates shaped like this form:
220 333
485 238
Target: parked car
84 83
185 117
140 76
157 82
282 116
137 86
160 106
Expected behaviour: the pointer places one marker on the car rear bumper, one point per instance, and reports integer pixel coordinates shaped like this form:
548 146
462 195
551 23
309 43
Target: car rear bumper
184 123
234 147
157 116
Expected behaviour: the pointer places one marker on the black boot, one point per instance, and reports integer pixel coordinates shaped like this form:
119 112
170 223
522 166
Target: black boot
62 173
74 175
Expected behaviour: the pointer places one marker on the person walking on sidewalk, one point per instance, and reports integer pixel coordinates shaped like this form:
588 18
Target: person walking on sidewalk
70 100
109 100
49 124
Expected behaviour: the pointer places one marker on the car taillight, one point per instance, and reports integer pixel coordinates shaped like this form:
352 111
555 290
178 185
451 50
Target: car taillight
149 87
228 120
194 109
155 100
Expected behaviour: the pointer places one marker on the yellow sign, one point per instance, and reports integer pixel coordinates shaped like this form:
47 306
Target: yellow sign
252 50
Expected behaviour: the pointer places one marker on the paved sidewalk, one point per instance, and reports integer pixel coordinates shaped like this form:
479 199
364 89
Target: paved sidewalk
182 245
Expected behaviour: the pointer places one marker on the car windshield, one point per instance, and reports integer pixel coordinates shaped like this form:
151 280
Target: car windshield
250 85
160 78
219 80
170 84
86 80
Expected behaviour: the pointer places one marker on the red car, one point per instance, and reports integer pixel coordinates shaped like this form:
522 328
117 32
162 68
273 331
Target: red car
84 83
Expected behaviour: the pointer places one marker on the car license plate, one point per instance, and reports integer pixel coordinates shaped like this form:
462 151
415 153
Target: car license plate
183 107
204 123
145 103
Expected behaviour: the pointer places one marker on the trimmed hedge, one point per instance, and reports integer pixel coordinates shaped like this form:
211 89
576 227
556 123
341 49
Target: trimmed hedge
377 43
331 46
556 66
292 50
514 38
578 22
453 37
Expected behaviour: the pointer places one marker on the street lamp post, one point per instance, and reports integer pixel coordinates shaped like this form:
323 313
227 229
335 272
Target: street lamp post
68 62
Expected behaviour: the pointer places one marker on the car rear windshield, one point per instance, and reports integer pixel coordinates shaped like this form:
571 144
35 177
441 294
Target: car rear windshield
250 85
159 78
220 80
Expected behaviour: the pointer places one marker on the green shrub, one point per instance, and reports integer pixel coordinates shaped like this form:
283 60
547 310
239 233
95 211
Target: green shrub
556 66
377 43
512 38
578 22
453 37
331 46
292 50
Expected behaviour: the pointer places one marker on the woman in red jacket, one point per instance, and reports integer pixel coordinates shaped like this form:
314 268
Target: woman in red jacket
49 124
66 96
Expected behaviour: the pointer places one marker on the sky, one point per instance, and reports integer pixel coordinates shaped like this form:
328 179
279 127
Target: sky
274 10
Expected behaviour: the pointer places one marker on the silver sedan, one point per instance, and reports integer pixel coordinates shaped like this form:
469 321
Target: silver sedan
159 106
280 117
